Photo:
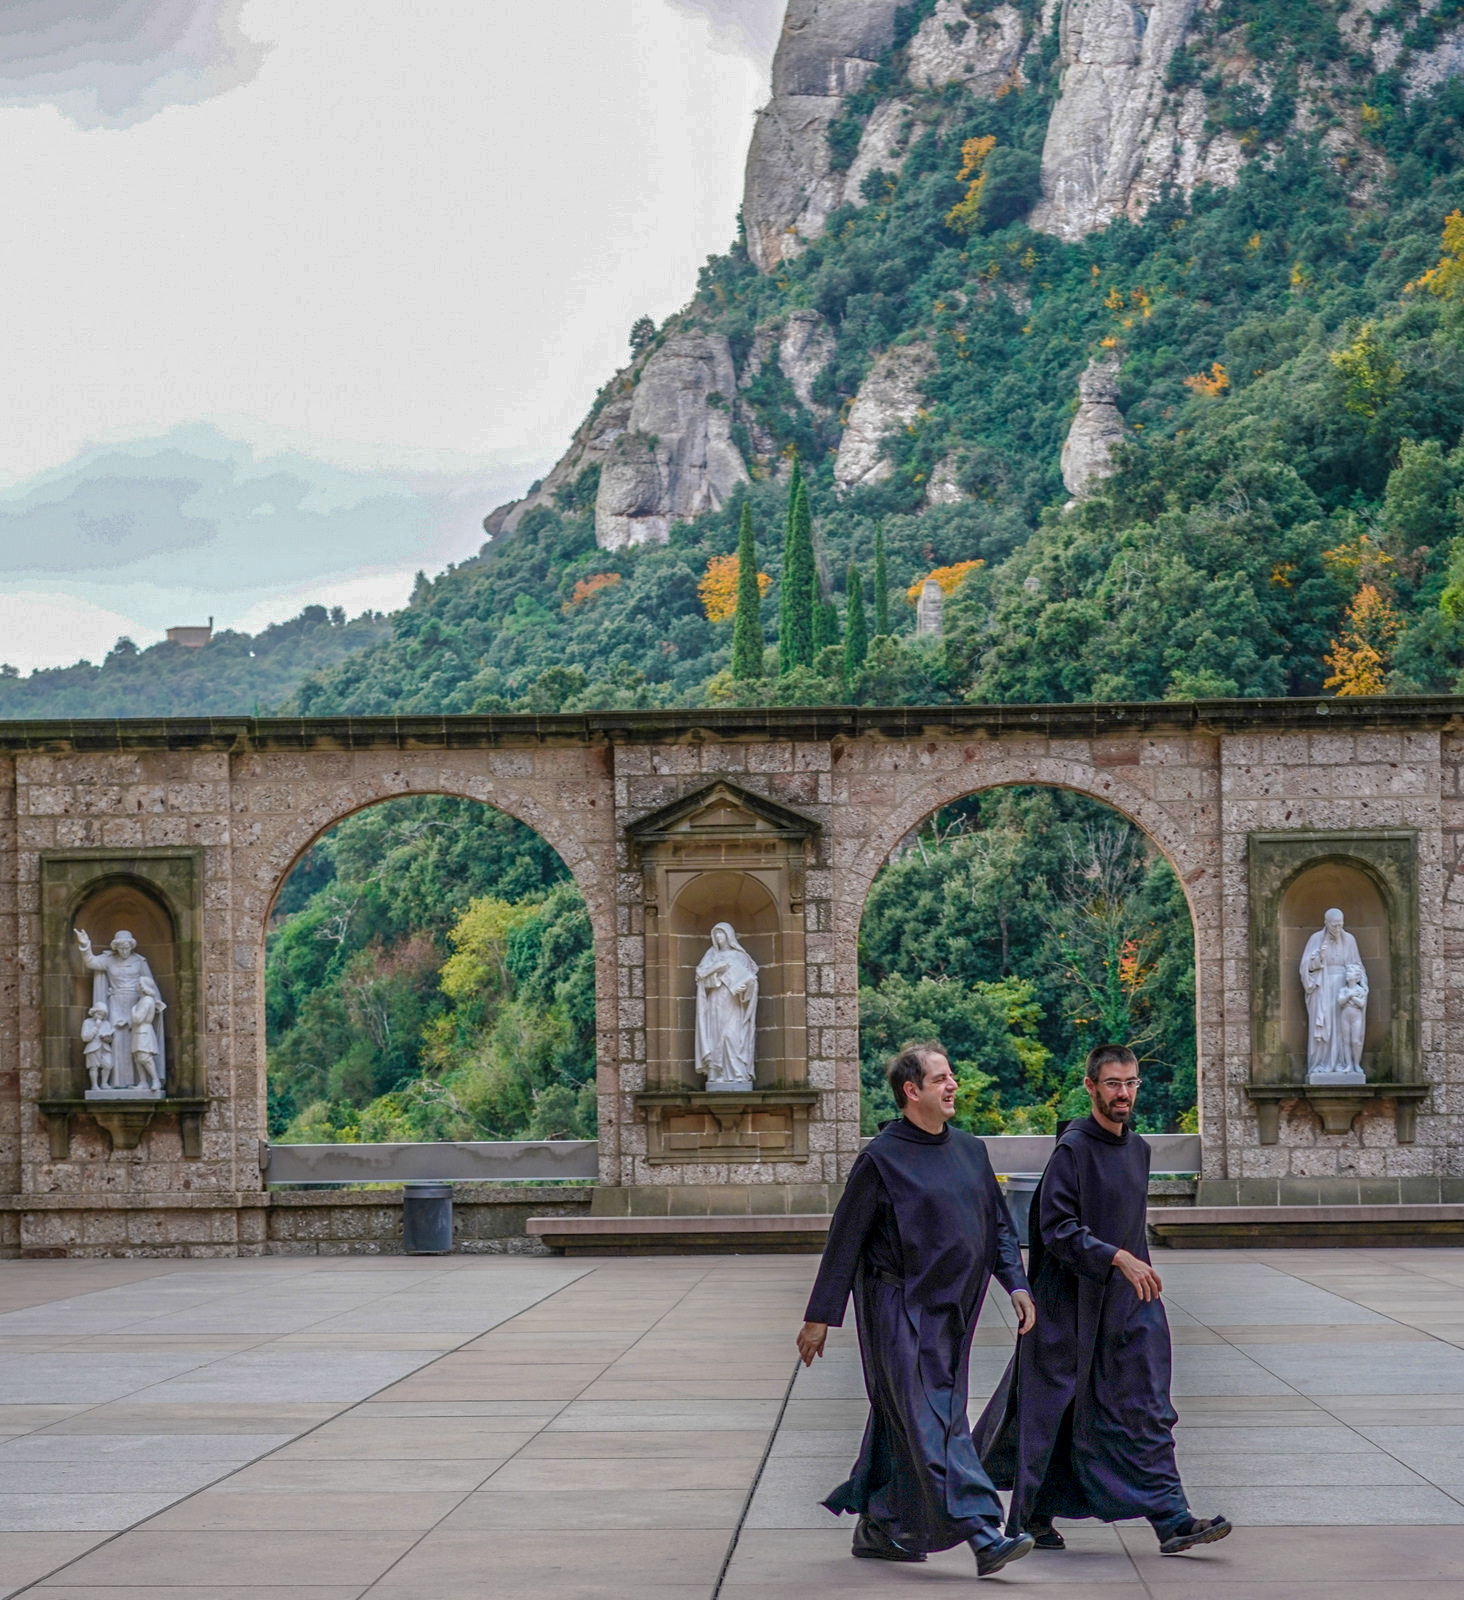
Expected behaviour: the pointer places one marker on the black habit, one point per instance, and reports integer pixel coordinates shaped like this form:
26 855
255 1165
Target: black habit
919 1232
1082 1425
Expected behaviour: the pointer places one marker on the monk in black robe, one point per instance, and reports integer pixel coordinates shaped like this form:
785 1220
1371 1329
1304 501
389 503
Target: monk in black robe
919 1232
1082 1425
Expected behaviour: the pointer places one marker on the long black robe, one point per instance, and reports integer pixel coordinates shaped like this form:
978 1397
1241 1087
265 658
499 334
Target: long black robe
1082 1425
917 1236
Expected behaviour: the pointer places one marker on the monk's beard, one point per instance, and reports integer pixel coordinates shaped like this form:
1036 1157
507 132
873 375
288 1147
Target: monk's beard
1120 1117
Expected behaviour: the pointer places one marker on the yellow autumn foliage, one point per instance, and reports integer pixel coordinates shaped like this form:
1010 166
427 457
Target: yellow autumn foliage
1211 382
1359 659
1447 279
964 216
718 588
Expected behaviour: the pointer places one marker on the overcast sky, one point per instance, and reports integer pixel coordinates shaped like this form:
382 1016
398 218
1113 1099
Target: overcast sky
295 294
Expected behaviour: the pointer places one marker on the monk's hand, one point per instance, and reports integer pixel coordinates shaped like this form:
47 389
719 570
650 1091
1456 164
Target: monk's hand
811 1341
1026 1311
1139 1273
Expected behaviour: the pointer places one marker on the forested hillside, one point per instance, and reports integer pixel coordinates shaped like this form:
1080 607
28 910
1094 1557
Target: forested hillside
235 674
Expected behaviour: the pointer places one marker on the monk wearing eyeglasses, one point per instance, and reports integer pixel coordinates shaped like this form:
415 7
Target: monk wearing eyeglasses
1082 1425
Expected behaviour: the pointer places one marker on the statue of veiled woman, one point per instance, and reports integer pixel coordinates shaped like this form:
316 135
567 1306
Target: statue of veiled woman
726 1013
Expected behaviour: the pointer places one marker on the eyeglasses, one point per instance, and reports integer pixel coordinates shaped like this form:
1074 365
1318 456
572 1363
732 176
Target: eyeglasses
1120 1083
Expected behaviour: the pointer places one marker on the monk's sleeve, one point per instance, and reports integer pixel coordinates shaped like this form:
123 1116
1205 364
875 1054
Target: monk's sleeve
1008 1268
1063 1231
853 1218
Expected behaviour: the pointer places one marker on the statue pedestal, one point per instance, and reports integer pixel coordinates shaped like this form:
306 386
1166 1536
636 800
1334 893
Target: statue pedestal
125 1114
714 1125
1338 1105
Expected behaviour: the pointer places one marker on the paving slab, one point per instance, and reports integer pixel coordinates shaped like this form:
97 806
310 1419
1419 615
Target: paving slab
553 1430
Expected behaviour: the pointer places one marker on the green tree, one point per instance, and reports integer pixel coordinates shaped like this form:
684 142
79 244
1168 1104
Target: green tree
747 633
881 585
795 603
856 630
825 622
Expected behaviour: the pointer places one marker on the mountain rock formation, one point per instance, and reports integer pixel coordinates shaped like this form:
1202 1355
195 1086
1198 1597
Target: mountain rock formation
675 458
828 49
889 398
1097 427
1111 122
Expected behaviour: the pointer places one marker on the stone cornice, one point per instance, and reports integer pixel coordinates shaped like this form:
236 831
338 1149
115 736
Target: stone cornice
692 725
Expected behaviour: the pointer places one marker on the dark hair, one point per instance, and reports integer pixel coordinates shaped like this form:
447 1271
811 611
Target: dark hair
1106 1054
909 1067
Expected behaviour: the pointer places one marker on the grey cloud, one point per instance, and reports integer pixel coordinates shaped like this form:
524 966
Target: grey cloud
113 63
750 27
198 510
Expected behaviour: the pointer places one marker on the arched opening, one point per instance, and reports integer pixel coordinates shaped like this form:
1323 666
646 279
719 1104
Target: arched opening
1023 925
429 974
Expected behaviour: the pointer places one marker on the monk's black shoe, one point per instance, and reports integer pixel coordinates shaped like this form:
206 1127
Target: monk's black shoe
874 1544
1201 1530
1045 1536
992 1558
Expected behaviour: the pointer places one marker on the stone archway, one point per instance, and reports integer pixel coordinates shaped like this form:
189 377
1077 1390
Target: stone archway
565 796
1187 853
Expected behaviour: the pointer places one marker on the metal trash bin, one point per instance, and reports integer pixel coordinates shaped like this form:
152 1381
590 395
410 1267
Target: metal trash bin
1019 1187
427 1219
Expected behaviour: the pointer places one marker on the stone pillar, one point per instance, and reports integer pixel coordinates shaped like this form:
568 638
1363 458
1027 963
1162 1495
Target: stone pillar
930 609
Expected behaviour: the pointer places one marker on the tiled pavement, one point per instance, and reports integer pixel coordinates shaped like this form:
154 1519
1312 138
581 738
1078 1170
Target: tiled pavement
412 1429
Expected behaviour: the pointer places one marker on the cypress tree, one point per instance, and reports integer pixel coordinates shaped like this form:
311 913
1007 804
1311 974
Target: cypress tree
785 589
747 634
795 609
825 622
856 630
881 585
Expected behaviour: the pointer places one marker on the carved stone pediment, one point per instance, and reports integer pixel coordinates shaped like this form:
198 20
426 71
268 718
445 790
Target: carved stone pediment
722 810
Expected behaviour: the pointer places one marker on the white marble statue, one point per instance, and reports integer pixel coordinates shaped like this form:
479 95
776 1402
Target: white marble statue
1327 967
147 1019
726 1013
96 1045
1352 1015
122 981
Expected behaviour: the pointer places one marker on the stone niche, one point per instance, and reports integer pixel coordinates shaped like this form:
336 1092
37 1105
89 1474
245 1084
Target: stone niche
724 855
1372 878
155 895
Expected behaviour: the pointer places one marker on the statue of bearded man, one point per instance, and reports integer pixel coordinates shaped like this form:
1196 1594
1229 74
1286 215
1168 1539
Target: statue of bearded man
1324 963
120 973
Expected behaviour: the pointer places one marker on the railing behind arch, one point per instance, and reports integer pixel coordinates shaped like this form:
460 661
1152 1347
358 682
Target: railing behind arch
477 1161
539 1161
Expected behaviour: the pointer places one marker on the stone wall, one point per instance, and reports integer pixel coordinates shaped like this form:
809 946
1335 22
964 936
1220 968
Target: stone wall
250 797
488 1219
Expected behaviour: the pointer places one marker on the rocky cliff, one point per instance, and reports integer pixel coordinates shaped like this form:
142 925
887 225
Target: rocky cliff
1127 100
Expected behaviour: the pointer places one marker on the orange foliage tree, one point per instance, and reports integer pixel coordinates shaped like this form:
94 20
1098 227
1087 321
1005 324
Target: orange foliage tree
1359 659
1211 382
718 588
949 579
588 588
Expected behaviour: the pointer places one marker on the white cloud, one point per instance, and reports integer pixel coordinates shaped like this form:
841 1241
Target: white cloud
112 63
41 629
750 26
